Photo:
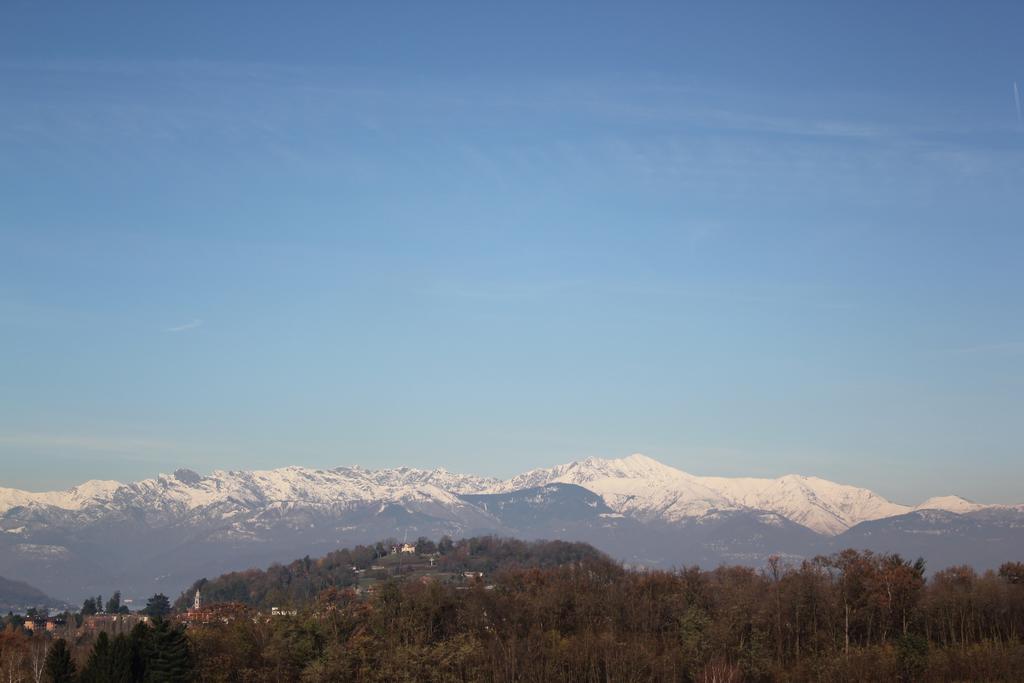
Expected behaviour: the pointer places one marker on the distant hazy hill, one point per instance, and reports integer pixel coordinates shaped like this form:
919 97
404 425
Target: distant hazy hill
17 595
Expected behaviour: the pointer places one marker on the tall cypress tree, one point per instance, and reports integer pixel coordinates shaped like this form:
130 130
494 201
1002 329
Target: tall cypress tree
59 668
169 659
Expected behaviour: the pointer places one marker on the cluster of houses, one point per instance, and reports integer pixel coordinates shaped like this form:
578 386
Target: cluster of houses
200 614
225 612
59 626
50 625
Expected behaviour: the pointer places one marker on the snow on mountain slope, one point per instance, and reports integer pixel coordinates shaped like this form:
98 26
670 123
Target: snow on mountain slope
645 488
74 498
818 504
440 477
638 486
186 491
951 504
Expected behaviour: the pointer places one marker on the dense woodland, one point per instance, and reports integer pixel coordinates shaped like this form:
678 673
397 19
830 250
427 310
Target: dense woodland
160 652
299 583
564 612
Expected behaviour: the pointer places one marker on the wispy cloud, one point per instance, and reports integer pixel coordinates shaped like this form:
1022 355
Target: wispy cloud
508 292
190 325
1008 347
1016 100
91 443
130 448
654 130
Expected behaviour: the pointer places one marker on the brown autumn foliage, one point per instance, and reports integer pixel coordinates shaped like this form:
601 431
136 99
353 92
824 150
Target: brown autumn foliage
853 616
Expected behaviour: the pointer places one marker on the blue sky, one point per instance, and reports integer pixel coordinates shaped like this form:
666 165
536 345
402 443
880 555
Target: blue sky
743 239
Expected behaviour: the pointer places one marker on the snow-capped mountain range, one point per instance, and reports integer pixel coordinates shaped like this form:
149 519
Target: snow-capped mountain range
637 486
171 528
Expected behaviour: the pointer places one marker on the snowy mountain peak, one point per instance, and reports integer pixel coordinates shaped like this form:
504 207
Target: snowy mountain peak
642 486
187 476
71 499
955 504
94 488
636 485
640 465
588 470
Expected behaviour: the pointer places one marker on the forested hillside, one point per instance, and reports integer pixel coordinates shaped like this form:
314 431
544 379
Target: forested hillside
298 583
849 617
563 611
490 609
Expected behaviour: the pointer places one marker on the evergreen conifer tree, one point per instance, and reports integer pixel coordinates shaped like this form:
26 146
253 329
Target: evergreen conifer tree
97 667
59 668
158 606
121 660
114 603
169 659
138 641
